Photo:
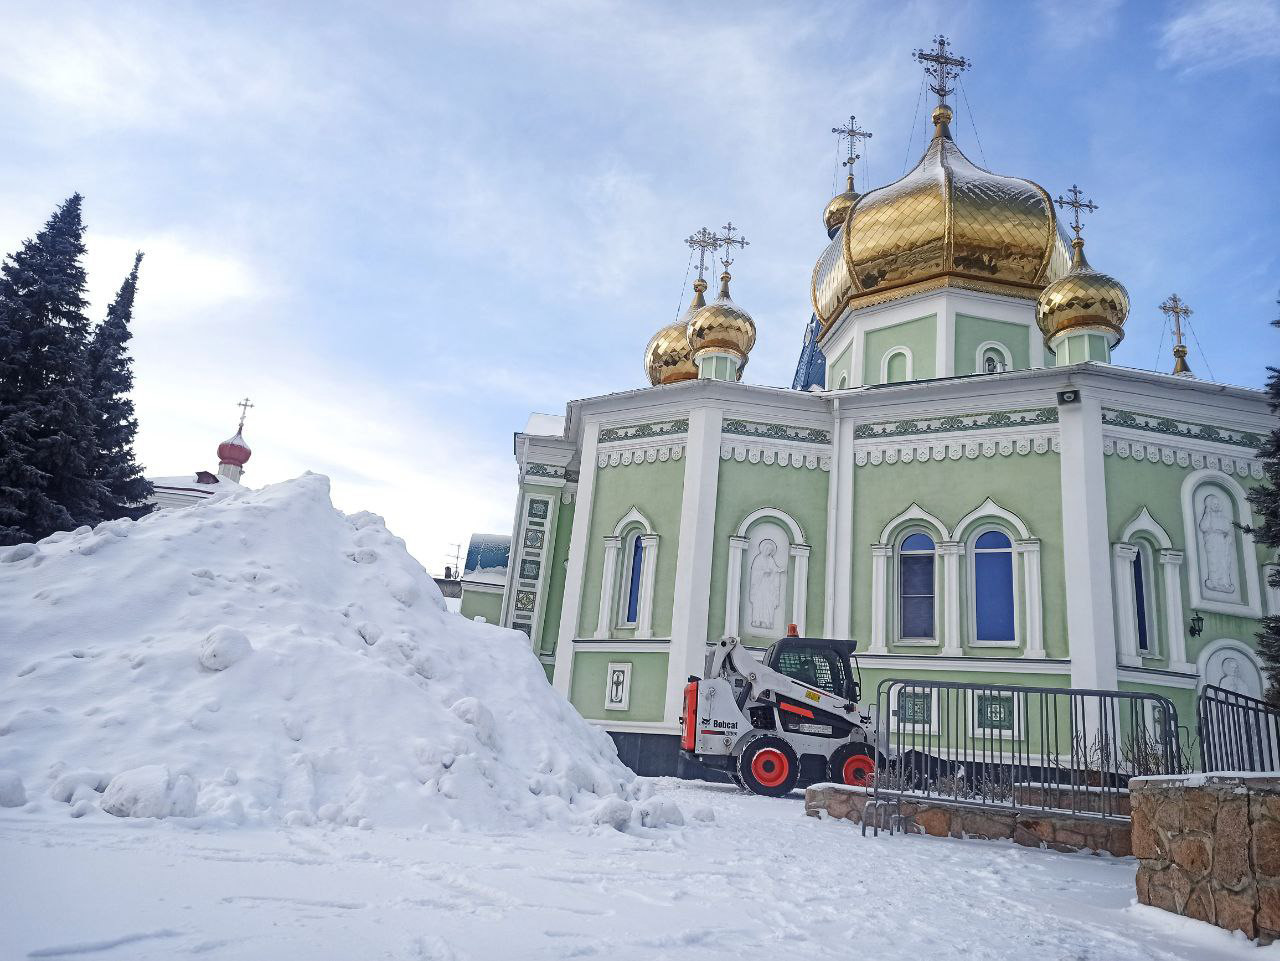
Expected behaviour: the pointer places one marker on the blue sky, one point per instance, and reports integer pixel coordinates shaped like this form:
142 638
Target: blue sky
400 229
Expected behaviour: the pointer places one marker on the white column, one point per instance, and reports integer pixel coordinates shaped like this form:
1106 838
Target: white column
693 556
608 587
834 479
571 603
1086 545
1175 628
1033 603
733 588
843 606
799 585
1122 557
880 557
648 561
950 552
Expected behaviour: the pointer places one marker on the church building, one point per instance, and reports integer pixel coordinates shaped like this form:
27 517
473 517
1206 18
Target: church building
960 478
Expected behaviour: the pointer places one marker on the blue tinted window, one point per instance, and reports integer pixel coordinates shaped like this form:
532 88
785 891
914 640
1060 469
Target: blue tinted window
917 542
992 540
993 587
1140 602
633 591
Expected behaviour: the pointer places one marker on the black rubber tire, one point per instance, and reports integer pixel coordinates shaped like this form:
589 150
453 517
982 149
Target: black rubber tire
788 777
836 763
735 777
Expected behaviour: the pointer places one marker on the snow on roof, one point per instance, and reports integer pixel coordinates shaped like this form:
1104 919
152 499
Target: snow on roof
201 482
487 551
545 425
486 575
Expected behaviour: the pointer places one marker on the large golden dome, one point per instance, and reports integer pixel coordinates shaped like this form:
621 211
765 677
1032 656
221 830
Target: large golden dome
668 359
1083 300
722 326
947 222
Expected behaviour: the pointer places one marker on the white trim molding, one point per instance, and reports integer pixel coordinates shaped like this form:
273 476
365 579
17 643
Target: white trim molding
798 555
891 353
979 362
1250 603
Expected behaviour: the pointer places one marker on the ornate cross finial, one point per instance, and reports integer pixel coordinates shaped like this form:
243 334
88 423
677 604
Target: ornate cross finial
244 406
852 133
942 66
1077 205
729 241
704 242
1176 311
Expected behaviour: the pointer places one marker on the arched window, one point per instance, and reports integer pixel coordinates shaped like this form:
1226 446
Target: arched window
993 587
993 358
916 587
633 582
1143 596
897 366
844 381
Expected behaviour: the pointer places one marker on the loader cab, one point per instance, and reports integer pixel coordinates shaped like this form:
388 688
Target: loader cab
820 662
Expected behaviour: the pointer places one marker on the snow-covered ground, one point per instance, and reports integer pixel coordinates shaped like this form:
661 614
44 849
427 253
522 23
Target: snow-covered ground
759 881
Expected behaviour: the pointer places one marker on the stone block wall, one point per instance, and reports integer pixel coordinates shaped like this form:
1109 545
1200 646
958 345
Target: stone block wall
938 818
1209 848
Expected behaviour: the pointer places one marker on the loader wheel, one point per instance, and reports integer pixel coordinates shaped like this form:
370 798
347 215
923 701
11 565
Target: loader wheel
736 778
853 764
769 766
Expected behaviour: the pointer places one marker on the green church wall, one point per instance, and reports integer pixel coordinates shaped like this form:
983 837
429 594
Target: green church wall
799 492
555 580
842 366
1028 485
919 336
972 332
648 685
656 491
484 604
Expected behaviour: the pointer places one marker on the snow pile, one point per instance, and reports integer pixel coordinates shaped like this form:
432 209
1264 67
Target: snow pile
263 657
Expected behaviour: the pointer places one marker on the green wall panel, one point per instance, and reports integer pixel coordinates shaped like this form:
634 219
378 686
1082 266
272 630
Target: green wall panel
648 685
920 335
555 580
487 605
972 331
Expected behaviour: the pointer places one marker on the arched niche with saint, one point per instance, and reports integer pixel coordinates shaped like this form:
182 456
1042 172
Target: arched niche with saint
765 577
1217 543
1232 670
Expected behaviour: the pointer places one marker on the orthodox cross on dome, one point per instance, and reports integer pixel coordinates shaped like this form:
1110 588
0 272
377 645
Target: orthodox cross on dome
942 67
244 406
729 241
704 242
1175 310
852 133
1076 205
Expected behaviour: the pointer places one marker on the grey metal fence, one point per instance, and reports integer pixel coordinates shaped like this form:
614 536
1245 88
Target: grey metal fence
1237 732
1021 748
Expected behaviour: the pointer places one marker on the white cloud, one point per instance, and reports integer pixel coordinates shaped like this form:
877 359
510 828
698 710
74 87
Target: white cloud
1212 34
1069 24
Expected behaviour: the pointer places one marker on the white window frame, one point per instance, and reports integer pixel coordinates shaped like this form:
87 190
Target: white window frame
1250 603
889 355
980 359
615 578
897 725
988 733
972 593
1028 600
629 537
897 587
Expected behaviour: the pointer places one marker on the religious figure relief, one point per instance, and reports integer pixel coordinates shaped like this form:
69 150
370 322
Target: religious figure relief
1230 679
1217 546
766 588
1234 672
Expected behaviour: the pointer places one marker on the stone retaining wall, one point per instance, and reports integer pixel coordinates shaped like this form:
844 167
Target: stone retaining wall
1061 832
1209 848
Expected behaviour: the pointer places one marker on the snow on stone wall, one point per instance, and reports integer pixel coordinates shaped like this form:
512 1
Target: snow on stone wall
266 658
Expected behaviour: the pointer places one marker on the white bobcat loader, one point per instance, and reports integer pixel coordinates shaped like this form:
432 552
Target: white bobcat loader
761 723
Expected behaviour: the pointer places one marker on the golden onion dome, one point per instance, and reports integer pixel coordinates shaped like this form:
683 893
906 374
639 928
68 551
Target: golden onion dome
668 359
1083 300
947 222
722 326
837 210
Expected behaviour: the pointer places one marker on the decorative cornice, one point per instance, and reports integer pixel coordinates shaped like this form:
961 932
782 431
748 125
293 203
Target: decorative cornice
745 451
627 457
1171 456
1188 429
545 470
633 432
907 452
952 423
768 431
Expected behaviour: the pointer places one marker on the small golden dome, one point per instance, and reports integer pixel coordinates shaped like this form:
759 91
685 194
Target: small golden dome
1083 300
722 326
837 210
668 359
947 222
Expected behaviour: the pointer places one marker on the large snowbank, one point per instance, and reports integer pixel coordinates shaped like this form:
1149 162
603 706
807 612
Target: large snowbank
266 657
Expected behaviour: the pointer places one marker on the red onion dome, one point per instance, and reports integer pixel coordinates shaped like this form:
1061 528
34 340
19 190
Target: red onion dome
234 451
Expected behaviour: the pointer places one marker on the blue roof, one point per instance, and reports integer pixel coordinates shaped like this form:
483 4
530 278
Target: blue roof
811 369
487 550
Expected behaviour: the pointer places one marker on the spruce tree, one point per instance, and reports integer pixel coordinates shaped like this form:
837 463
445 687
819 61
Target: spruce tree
46 413
1265 499
123 490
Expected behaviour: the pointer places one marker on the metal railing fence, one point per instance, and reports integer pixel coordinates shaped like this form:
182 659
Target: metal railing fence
1237 732
1021 748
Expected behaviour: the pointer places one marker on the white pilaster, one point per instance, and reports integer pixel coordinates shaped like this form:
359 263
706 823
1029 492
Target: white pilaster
1175 628
733 588
608 587
1033 602
1085 546
880 557
842 476
950 552
1122 556
799 585
561 675
693 556
833 485
648 561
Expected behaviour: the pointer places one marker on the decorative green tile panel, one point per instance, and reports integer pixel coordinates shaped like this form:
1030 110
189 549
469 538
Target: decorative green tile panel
751 428
664 428
1027 417
1180 428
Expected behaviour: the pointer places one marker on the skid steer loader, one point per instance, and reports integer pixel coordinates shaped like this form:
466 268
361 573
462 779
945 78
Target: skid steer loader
761 722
